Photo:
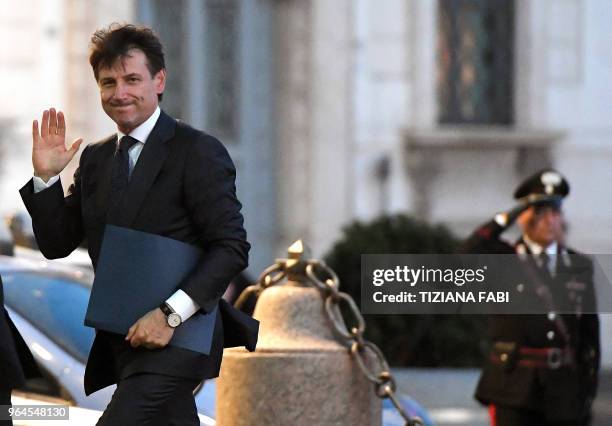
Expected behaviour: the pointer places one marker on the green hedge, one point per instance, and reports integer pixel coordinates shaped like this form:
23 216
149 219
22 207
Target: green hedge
408 340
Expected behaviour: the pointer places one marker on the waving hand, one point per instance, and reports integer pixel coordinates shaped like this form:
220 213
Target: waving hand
49 153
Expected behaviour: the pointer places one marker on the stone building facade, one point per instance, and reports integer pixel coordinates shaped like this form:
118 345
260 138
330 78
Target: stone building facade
347 109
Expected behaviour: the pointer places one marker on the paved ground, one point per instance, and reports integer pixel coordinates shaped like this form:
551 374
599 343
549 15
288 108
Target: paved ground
603 403
447 395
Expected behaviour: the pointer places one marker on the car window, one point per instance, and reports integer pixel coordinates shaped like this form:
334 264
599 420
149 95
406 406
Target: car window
54 305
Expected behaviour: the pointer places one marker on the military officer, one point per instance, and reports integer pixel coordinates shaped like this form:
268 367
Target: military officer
542 369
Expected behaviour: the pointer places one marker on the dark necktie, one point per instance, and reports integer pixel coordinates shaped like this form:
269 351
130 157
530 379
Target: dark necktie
120 177
545 263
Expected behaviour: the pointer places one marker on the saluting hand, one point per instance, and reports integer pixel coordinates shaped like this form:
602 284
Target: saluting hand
527 202
49 153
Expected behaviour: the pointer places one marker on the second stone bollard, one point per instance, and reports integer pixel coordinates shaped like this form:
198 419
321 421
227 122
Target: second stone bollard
300 374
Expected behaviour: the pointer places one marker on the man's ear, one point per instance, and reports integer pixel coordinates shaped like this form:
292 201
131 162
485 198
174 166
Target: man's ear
160 81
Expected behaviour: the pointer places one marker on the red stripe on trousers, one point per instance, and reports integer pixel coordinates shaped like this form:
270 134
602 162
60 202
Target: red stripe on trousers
492 415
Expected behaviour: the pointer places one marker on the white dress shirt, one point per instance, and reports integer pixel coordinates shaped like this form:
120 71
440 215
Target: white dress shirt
180 301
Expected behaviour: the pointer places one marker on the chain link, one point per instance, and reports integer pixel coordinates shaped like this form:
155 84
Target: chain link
272 275
368 357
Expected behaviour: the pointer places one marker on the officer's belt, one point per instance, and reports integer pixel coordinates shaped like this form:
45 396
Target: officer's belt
524 356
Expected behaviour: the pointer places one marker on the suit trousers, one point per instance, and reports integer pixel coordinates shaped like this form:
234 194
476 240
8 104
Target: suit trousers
5 402
511 416
152 400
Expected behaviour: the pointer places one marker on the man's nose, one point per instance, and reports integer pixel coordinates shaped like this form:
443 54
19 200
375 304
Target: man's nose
551 216
120 90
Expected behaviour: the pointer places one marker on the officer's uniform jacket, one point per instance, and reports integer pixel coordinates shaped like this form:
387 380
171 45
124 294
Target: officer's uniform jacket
560 393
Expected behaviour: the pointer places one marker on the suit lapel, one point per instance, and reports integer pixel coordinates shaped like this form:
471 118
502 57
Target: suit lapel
147 167
104 165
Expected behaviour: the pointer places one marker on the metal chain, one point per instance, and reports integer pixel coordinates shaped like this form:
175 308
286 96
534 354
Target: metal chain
367 355
273 274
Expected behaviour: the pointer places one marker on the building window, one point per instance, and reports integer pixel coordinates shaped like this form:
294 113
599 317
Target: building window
216 32
222 66
475 61
169 24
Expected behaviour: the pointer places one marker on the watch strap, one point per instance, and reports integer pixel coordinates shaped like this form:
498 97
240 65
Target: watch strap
166 309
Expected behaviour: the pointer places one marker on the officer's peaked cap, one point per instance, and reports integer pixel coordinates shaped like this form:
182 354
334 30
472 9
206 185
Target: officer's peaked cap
544 182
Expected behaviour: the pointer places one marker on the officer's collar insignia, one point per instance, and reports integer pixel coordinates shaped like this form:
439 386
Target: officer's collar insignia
550 180
521 250
565 257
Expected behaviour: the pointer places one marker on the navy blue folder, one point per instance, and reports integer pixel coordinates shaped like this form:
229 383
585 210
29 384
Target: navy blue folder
136 272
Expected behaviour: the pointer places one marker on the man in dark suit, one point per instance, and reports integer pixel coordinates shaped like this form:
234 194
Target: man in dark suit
16 361
542 369
155 175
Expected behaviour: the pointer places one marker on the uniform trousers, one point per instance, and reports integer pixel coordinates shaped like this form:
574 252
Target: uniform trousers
512 416
5 402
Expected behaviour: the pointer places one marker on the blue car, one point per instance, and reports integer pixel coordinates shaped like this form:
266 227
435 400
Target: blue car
47 302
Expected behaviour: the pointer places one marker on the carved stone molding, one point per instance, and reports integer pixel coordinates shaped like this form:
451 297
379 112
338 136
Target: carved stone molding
423 149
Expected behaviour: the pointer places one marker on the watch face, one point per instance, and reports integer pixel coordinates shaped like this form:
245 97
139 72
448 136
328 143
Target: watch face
174 320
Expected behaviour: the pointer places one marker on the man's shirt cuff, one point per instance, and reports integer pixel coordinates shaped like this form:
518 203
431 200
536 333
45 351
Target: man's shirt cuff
40 185
182 304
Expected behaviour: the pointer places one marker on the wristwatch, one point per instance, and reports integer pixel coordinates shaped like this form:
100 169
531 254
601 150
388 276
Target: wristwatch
172 318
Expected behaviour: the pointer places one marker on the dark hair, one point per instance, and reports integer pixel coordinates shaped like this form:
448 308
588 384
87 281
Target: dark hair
116 40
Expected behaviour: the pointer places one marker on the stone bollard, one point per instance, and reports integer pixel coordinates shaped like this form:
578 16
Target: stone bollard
300 373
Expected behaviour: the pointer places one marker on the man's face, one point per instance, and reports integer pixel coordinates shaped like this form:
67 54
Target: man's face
542 224
128 92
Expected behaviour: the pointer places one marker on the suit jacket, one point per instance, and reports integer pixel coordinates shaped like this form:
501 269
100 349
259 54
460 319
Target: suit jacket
182 187
562 394
16 360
